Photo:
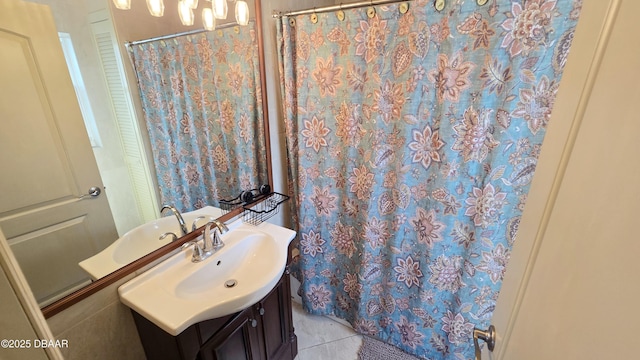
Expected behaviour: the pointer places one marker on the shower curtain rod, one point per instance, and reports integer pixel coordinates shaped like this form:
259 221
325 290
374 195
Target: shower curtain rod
279 14
191 32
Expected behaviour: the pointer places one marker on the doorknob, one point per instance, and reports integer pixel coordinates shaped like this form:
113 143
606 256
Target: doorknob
94 191
488 336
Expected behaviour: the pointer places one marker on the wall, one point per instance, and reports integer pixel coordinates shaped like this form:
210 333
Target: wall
98 328
17 322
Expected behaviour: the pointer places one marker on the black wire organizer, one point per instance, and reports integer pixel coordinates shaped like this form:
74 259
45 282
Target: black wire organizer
258 204
245 197
228 205
263 208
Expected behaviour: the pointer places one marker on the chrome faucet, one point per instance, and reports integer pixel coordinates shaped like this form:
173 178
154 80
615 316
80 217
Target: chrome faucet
210 243
183 226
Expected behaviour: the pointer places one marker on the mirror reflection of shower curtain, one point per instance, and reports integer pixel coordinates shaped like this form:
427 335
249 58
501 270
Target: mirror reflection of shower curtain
412 140
202 104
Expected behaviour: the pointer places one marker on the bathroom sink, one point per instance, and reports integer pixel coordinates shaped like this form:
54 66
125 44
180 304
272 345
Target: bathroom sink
142 240
235 267
178 293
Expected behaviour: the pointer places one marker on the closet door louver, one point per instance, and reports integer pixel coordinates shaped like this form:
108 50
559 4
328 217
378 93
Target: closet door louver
125 118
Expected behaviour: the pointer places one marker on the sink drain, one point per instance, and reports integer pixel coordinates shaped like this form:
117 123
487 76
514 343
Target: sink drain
230 283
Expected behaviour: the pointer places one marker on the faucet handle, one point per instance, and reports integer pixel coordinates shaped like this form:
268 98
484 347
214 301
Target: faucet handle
189 243
212 242
199 253
217 242
222 228
174 236
194 225
220 225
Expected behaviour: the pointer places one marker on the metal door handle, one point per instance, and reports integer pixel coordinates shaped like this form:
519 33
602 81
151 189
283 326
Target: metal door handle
94 191
488 336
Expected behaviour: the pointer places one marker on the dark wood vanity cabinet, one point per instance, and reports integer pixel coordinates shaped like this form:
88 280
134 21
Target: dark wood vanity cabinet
239 340
263 331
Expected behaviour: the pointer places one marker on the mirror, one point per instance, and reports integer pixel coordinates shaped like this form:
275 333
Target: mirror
81 21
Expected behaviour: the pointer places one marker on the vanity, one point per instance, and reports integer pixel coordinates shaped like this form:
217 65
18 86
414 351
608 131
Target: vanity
235 304
263 331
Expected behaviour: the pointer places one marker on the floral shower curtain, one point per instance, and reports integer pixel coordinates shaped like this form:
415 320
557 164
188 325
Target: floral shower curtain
202 103
412 141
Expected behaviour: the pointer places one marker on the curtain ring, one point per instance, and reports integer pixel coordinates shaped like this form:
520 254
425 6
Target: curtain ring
314 16
404 7
340 13
371 12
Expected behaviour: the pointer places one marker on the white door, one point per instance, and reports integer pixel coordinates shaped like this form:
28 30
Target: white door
45 158
571 289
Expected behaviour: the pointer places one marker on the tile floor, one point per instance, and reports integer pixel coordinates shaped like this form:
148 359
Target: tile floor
322 338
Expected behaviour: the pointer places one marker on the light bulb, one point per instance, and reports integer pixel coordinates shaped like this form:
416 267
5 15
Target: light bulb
156 7
242 12
122 4
220 9
185 12
192 3
208 20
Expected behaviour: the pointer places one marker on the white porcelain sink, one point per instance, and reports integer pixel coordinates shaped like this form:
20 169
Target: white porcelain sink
142 240
178 293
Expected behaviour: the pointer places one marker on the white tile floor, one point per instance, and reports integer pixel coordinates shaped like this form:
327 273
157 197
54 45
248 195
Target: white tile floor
322 338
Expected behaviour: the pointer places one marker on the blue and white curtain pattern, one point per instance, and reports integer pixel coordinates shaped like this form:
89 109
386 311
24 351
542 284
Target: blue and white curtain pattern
202 102
412 140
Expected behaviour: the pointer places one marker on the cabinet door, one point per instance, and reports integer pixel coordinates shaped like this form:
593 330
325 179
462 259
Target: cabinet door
275 313
160 345
240 340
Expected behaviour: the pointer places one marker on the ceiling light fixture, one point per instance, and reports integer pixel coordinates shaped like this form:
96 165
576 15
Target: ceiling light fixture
186 13
192 3
242 12
156 7
208 20
220 9
122 4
